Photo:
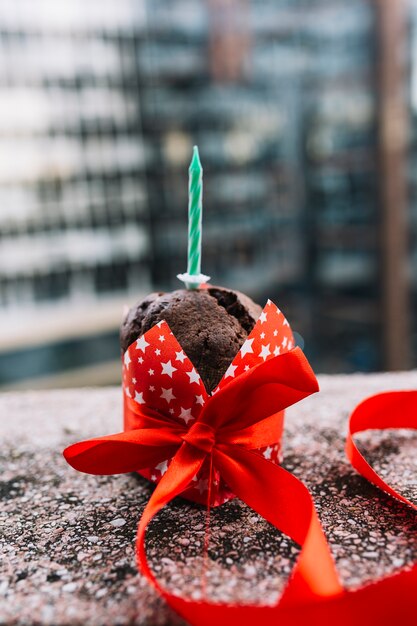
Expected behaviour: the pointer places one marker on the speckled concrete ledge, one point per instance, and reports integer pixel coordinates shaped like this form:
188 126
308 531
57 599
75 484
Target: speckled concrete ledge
67 539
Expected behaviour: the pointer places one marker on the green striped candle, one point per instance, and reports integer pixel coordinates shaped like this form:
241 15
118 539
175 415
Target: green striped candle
193 278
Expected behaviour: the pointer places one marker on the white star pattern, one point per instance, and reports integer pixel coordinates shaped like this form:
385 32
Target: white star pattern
268 452
162 467
247 347
199 400
186 415
284 342
180 356
139 398
265 352
230 372
262 317
140 360
127 392
161 338
157 352
269 331
168 369
277 351
167 395
141 343
194 377
127 359
151 372
151 388
202 485
134 381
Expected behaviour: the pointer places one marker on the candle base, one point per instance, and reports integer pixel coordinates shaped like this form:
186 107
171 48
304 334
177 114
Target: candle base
193 281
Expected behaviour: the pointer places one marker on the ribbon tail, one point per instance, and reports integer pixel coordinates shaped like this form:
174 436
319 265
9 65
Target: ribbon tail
387 602
285 502
182 469
395 409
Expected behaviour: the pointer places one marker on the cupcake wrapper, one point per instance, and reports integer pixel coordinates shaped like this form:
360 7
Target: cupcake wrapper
158 374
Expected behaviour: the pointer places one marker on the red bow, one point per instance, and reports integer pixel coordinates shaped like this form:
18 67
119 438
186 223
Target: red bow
237 420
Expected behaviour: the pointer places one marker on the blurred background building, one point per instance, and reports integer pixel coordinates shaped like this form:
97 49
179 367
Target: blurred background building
305 113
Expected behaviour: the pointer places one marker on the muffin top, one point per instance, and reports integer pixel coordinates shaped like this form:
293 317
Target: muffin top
210 324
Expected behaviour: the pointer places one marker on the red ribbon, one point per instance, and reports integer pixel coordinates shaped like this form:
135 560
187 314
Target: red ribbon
235 421
392 409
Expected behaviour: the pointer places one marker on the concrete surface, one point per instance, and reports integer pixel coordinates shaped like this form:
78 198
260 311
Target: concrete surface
67 539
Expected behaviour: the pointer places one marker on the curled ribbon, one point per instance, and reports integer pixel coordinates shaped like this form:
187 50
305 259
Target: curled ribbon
236 421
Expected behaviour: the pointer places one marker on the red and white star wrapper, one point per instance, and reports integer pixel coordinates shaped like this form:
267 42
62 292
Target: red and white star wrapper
157 373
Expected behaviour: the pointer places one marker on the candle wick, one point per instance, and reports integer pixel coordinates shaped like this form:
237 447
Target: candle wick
195 161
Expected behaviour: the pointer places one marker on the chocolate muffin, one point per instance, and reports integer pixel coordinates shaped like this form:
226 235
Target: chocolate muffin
210 324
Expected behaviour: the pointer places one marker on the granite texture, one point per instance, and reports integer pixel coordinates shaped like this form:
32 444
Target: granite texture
67 539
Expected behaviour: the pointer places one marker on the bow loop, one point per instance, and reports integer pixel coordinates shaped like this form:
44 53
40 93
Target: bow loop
262 391
123 452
